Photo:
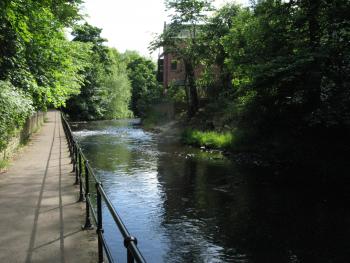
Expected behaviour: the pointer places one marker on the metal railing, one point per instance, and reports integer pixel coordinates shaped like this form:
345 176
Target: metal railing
84 175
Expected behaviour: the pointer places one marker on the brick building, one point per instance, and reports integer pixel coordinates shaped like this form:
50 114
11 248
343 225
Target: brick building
171 69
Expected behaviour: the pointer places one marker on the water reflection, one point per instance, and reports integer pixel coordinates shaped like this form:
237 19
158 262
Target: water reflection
188 206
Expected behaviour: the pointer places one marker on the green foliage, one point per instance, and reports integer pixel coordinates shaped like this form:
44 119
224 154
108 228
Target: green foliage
3 164
45 67
188 11
39 67
87 33
176 94
106 90
293 61
216 75
88 105
14 110
180 38
209 139
277 72
117 88
145 88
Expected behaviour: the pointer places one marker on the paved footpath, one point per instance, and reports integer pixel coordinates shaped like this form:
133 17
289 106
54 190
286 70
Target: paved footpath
40 220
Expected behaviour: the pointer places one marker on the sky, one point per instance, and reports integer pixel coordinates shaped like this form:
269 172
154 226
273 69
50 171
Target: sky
131 24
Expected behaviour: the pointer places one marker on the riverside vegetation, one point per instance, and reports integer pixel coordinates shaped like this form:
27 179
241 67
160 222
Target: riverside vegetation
40 68
275 75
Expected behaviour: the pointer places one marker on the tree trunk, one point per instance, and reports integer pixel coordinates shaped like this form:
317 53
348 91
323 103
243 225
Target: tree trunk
312 9
187 92
192 89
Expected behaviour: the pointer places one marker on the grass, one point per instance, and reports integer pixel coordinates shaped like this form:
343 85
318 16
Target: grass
209 139
3 164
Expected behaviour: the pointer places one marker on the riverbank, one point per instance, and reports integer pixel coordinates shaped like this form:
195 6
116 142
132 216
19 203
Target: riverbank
324 161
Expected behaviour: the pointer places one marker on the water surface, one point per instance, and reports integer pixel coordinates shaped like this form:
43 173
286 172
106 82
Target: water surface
186 205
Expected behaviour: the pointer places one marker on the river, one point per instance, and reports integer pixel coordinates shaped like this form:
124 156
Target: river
187 205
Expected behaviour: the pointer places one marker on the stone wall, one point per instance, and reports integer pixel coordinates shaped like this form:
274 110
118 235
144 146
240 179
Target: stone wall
32 125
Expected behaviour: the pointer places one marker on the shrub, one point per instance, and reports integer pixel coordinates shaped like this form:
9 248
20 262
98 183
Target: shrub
14 110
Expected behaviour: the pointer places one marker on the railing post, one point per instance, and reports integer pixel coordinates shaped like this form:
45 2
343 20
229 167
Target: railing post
77 170
66 133
130 258
81 194
99 230
88 224
74 157
127 241
71 144
71 147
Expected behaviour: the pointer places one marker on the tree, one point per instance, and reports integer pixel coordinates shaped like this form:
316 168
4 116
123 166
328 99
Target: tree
106 90
45 67
145 88
117 89
39 67
88 104
290 67
211 49
180 38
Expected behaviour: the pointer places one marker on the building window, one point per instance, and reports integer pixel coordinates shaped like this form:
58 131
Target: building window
173 65
160 71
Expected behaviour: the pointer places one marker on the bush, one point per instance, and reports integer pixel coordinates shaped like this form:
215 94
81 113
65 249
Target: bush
15 109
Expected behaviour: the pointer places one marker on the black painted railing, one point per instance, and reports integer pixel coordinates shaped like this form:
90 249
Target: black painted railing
84 176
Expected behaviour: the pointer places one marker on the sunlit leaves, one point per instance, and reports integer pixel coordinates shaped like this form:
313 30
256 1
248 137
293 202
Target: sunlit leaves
145 88
15 108
106 90
36 56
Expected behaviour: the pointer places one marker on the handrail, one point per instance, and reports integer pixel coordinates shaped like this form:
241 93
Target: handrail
83 172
